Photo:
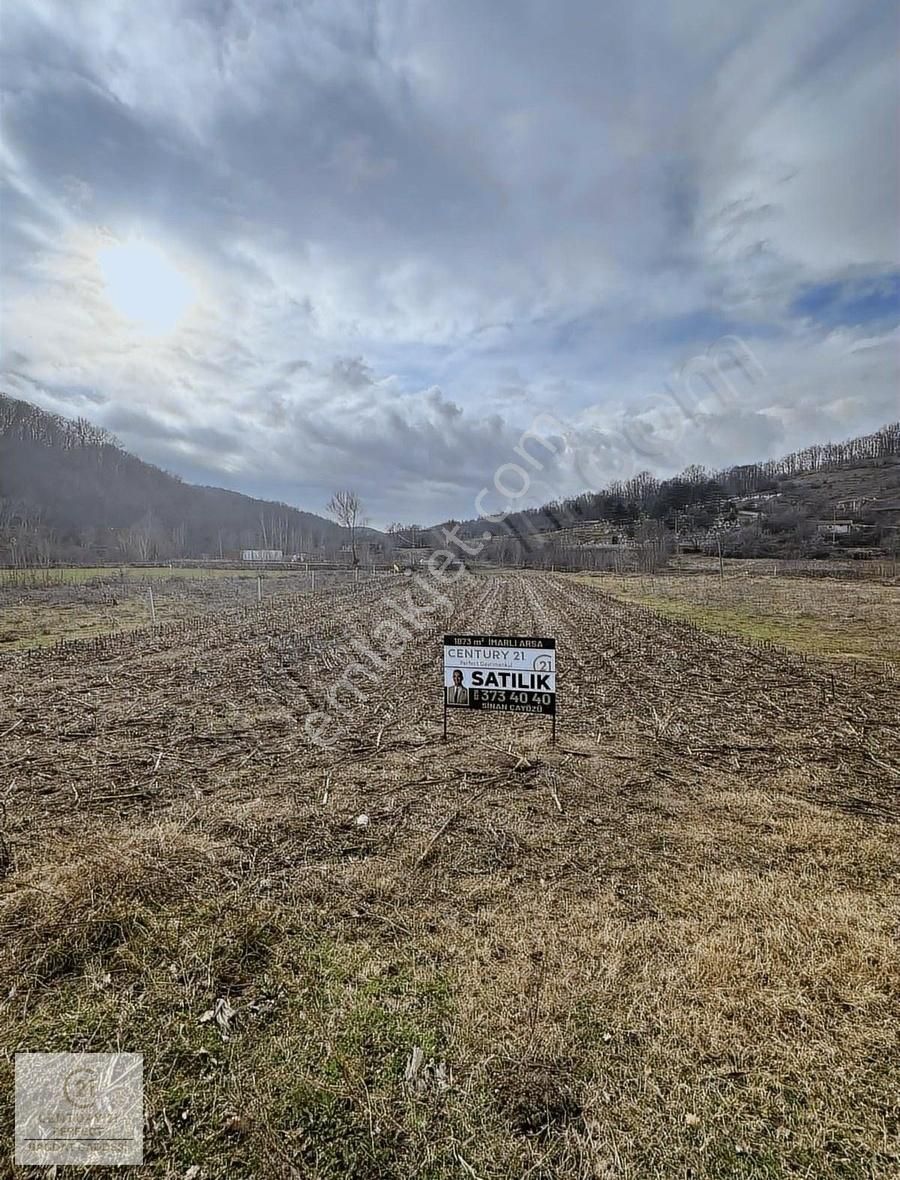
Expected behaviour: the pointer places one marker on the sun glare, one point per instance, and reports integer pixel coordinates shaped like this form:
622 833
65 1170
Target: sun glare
145 286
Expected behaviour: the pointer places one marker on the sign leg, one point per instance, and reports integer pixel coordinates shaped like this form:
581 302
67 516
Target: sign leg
445 716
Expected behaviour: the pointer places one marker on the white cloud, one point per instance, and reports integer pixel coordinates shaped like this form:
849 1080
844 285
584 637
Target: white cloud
522 211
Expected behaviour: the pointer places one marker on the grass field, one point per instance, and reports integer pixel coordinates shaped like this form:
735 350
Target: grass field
73 605
822 617
663 947
76 574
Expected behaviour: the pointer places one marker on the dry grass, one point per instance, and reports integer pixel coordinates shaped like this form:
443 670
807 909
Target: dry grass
34 577
832 619
55 604
91 892
669 952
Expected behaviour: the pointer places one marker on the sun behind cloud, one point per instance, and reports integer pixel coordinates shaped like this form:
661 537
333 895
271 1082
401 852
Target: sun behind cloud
145 286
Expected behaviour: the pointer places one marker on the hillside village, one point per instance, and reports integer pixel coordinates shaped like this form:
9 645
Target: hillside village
834 501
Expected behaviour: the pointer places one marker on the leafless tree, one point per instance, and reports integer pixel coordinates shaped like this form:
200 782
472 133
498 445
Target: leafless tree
347 509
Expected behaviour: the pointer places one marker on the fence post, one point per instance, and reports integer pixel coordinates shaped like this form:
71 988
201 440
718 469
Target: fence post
152 607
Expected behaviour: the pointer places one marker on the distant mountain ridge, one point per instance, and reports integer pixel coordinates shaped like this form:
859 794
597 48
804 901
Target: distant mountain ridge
69 490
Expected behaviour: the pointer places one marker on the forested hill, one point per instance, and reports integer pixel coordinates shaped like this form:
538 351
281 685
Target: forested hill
842 478
69 490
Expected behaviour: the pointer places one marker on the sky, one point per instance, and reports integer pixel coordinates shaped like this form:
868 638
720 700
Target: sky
288 247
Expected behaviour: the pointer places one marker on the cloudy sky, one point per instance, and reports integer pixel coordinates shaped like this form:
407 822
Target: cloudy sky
289 245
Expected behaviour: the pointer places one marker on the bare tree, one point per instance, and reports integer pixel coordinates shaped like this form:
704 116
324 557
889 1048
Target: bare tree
346 508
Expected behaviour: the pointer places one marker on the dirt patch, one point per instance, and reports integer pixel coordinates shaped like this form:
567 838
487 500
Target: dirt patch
540 1099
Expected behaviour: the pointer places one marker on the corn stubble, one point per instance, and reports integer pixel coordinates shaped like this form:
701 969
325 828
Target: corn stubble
663 947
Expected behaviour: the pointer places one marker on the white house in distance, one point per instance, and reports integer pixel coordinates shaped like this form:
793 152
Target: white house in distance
836 528
262 555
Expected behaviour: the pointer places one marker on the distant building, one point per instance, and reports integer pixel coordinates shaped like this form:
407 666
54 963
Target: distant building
586 534
741 501
415 553
262 555
835 528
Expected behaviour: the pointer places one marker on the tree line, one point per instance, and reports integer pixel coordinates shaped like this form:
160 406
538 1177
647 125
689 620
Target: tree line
70 491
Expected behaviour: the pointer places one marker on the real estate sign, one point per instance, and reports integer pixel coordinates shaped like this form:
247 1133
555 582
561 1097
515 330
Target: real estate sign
503 673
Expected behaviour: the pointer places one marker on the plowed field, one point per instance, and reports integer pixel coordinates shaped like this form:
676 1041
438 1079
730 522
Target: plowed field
663 946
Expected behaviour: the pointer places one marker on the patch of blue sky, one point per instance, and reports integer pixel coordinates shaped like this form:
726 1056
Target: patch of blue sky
851 302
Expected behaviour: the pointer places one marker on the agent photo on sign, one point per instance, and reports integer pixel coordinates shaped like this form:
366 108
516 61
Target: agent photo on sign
458 694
